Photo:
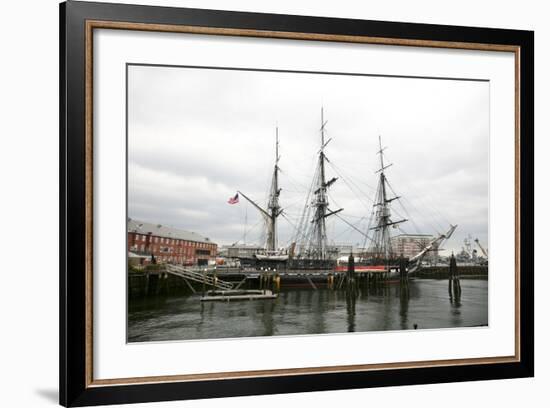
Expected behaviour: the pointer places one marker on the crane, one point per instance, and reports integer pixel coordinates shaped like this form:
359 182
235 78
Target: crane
482 249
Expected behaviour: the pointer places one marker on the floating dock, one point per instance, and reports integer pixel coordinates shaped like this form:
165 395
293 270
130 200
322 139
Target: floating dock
231 295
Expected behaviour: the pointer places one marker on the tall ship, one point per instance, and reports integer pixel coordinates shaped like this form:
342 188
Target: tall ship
310 246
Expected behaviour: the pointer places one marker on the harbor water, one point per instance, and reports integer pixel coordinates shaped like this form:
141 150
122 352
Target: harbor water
425 305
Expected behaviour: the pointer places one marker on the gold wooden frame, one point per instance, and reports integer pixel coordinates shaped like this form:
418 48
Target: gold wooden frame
99 24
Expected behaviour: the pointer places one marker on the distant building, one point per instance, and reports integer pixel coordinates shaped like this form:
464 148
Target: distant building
239 251
410 245
342 249
169 245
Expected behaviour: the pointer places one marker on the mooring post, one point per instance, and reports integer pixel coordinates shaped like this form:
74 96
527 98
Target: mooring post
403 275
450 286
457 283
351 292
402 270
278 282
454 281
351 270
262 278
146 283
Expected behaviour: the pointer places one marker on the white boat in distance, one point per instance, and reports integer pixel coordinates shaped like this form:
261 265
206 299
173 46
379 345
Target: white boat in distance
271 256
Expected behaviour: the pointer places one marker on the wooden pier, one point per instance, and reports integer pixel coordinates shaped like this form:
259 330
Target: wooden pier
171 279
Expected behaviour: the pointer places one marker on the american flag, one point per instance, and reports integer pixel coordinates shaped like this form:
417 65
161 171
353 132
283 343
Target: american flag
233 200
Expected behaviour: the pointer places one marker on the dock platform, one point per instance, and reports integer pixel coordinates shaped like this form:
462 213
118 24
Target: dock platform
232 295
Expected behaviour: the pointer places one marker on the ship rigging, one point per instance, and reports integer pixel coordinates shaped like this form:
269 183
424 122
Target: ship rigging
380 246
272 212
310 246
312 233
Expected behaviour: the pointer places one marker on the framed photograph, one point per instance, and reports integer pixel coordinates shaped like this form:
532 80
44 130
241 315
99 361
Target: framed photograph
256 203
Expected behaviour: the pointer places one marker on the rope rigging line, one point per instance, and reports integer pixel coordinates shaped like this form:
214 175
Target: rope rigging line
250 229
293 181
428 217
432 210
348 223
407 214
347 230
437 227
353 226
357 181
344 179
302 225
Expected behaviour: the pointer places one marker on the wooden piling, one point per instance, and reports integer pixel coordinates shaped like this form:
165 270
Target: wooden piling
330 281
455 289
403 275
277 282
350 275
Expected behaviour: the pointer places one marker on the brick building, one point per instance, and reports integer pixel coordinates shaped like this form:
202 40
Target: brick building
169 245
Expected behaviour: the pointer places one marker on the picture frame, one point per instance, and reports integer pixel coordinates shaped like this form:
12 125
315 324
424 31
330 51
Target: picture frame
78 22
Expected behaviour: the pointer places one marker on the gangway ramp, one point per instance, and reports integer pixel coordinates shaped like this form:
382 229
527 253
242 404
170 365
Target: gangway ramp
196 276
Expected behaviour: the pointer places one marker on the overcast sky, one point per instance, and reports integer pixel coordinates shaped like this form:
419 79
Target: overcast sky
195 136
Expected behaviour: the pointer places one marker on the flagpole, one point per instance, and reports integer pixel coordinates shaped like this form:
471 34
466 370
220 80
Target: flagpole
245 222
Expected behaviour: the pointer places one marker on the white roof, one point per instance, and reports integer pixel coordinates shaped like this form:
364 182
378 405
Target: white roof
165 231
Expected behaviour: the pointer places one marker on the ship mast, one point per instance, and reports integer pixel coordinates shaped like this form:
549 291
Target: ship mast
381 243
273 208
318 246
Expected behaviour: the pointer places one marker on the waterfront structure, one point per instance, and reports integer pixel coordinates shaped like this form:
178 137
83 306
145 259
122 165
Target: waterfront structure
135 259
241 251
345 250
169 245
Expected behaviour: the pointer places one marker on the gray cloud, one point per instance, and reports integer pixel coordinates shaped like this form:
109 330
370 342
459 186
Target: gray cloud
195 136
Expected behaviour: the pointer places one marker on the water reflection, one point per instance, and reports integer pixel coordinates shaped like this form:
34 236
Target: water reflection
403 305
351 298
424 303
